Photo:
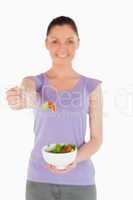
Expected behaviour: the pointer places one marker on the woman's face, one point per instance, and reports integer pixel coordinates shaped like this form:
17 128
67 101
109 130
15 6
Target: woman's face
62 43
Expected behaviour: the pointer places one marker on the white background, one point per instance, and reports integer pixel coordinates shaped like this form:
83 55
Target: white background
105 29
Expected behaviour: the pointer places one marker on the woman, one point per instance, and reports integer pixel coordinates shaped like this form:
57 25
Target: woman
74 96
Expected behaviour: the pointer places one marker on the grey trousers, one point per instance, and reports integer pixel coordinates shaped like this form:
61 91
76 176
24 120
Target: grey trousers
48 191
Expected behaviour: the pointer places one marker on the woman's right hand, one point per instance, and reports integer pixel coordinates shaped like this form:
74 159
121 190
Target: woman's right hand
15 99
24 96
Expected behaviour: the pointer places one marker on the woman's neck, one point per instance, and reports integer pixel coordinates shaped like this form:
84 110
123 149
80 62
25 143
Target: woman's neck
61 71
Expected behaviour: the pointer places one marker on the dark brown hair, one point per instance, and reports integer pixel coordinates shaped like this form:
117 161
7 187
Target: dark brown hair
60 21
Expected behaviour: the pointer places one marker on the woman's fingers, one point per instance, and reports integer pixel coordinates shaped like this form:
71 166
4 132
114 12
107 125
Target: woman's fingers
53 169
13 91
24 96
13 98
16 102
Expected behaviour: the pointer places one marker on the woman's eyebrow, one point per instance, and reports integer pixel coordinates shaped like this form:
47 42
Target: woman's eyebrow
70 38
53 37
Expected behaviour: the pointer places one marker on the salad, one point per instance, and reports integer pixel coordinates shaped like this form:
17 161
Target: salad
48 105
61 148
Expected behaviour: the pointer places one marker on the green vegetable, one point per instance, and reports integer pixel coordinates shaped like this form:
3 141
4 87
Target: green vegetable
73 146
64 145
45 106
58 148
55 151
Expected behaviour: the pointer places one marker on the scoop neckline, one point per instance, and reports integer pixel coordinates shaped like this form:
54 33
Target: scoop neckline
63 91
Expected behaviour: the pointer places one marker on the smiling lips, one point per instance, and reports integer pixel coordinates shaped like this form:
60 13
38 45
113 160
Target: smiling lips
62 55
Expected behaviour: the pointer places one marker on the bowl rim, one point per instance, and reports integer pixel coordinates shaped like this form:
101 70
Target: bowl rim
44 147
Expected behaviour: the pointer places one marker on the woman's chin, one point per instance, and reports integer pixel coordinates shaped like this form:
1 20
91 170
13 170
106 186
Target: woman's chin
62 60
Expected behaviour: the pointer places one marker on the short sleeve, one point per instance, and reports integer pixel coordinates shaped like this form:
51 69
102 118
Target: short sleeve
39 81
92 84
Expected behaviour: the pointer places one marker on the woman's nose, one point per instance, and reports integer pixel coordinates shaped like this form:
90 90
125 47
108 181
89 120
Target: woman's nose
62 50
63 46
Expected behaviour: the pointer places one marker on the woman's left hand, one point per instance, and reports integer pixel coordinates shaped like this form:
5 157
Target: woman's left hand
68 168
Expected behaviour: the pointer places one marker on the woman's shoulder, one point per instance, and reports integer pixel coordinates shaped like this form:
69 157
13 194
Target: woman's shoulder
90 83
39 78
91 79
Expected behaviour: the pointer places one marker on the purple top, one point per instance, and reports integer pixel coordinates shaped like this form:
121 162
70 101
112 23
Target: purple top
66 125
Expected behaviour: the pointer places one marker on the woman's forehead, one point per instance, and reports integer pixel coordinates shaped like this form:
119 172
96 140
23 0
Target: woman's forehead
57 37
59 31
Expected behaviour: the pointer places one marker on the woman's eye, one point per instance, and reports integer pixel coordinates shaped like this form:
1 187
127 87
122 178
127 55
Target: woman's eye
70 41
54 42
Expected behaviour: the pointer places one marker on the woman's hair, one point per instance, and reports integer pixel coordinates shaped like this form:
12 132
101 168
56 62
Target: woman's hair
60 21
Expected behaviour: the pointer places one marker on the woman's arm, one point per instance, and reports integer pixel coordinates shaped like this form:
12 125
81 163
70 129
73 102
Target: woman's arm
24 96
95 121
29 87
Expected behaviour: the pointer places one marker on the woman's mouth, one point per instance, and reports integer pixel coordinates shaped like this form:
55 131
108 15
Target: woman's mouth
62 56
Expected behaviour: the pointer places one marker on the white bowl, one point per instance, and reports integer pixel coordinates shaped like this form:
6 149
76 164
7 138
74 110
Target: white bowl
60 160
